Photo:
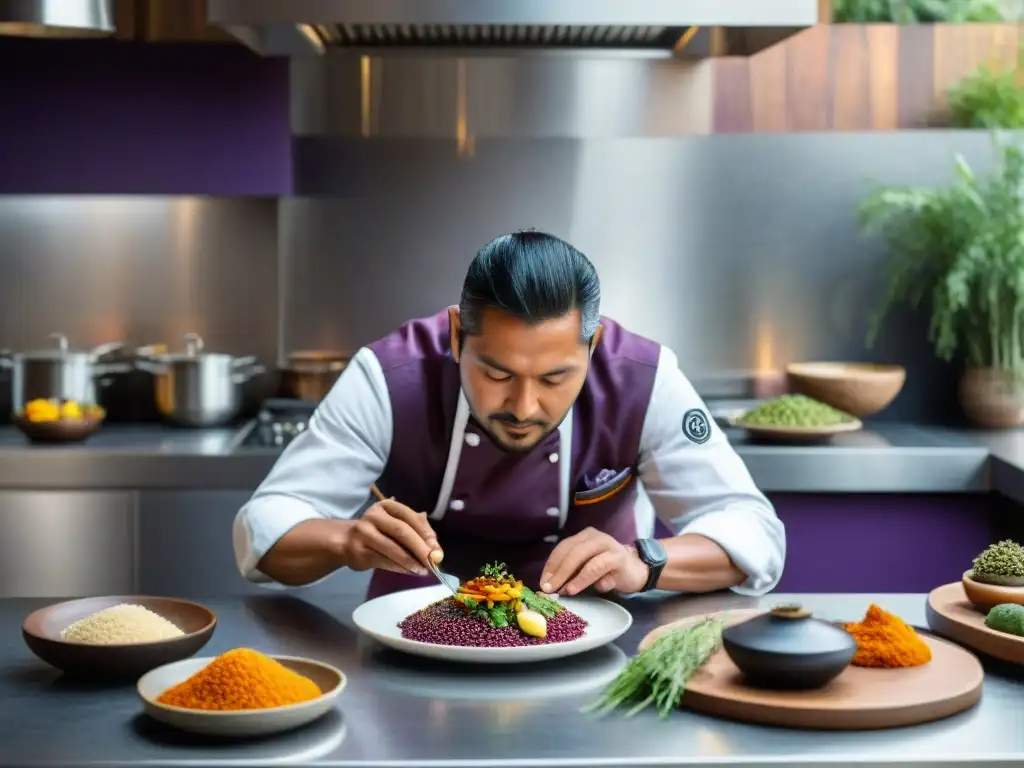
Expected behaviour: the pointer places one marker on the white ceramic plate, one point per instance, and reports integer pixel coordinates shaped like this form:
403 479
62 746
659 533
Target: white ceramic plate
378 618
249 722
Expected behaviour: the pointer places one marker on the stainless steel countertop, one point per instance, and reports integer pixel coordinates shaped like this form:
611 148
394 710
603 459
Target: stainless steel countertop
402 711
885 458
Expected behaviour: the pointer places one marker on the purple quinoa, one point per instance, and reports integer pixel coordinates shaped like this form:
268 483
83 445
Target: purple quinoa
446 623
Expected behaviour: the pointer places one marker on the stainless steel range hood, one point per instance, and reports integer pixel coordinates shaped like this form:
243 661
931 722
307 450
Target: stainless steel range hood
690 28
56 18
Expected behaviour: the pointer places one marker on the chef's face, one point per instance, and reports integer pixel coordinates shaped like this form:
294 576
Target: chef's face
520 379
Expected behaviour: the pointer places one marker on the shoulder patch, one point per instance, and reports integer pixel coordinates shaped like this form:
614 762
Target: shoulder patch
696 426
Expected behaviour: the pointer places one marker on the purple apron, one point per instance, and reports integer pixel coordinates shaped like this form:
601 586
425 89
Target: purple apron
488 504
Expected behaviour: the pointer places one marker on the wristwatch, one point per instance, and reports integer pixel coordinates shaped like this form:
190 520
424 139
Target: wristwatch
653 555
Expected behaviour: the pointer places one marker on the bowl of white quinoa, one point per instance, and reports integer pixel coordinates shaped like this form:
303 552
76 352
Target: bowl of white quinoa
117 636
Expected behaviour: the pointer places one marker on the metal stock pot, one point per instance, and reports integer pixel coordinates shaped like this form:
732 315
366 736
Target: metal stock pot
60 373
198 388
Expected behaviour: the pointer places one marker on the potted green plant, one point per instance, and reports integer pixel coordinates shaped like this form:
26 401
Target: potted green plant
920 11
988 97
959 251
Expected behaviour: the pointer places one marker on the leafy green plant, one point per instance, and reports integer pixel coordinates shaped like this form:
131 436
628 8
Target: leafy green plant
918 11
987 98
960 250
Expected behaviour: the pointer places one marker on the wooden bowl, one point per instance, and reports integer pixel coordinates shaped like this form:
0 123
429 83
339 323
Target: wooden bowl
988 595
859 389
42 629
62 431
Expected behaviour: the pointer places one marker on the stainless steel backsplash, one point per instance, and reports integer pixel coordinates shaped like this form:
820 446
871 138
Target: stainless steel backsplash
139 269
740 252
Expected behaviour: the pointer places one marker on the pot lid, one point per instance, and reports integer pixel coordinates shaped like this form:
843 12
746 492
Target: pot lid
194 346
62 349
789 629
194 353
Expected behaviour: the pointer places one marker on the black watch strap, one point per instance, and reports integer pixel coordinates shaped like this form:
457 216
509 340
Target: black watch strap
653 555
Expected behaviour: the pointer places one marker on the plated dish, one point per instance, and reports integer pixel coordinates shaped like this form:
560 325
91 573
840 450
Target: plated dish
495 619
494 610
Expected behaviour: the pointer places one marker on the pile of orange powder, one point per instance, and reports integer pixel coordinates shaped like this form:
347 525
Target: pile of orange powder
241 679
885 640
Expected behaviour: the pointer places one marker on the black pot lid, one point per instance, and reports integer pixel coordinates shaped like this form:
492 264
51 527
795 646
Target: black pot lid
789 629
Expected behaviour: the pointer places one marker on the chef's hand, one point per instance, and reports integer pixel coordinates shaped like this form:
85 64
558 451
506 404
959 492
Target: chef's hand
393 537
592 558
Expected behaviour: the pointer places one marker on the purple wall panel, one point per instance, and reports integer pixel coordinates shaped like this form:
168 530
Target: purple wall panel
882 542
111 117
885 542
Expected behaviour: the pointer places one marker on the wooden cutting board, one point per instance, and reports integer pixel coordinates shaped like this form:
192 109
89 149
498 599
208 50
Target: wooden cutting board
952 615
859 699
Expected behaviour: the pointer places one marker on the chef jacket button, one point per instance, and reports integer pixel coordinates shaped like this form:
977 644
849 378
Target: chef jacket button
551 539
553 511
553 458
457 505
472 439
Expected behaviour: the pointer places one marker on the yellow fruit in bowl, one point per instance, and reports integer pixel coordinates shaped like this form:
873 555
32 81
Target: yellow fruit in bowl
71 410
42 410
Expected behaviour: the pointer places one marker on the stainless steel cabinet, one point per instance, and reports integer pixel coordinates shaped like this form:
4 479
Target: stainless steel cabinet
66 543
185 548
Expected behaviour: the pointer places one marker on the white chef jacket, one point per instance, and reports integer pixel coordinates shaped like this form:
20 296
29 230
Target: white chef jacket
702 488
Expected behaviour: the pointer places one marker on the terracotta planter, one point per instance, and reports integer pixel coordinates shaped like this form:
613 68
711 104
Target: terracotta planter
990 399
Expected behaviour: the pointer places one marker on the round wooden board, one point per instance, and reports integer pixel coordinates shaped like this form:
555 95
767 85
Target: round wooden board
859 699
952 615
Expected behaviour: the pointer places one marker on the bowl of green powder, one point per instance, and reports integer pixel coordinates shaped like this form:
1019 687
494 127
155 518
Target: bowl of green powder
795 418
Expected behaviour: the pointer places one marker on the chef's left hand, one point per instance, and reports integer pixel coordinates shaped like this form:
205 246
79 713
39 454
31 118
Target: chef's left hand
592 558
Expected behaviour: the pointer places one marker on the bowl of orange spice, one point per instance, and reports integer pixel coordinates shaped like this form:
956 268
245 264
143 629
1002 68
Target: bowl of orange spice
240 693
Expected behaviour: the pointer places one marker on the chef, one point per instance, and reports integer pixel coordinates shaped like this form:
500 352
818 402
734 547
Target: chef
521 427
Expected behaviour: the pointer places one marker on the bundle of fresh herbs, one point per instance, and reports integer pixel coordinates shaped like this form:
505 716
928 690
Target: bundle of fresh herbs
659 674
919 11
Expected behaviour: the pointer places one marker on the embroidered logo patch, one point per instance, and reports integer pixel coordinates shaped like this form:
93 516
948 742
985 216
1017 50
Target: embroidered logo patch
696 426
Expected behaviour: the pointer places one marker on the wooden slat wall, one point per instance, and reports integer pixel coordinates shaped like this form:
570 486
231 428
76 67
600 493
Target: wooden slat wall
853 77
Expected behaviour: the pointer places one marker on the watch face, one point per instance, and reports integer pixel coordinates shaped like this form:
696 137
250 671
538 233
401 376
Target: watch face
651 551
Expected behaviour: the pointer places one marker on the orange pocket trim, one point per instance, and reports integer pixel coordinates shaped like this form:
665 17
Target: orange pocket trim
578 502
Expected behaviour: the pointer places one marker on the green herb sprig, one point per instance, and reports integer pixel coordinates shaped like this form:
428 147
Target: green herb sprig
496 571
659 675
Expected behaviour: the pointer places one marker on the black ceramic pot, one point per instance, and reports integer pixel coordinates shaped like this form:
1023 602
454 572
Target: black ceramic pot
788 649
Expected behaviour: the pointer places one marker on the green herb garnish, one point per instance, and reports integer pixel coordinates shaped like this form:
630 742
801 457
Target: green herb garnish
496 571
542 604
659 675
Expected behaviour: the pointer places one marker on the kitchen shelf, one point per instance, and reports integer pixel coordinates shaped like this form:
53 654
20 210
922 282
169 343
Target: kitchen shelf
854 77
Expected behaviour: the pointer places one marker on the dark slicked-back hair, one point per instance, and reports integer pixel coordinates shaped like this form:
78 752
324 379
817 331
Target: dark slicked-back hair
533 276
